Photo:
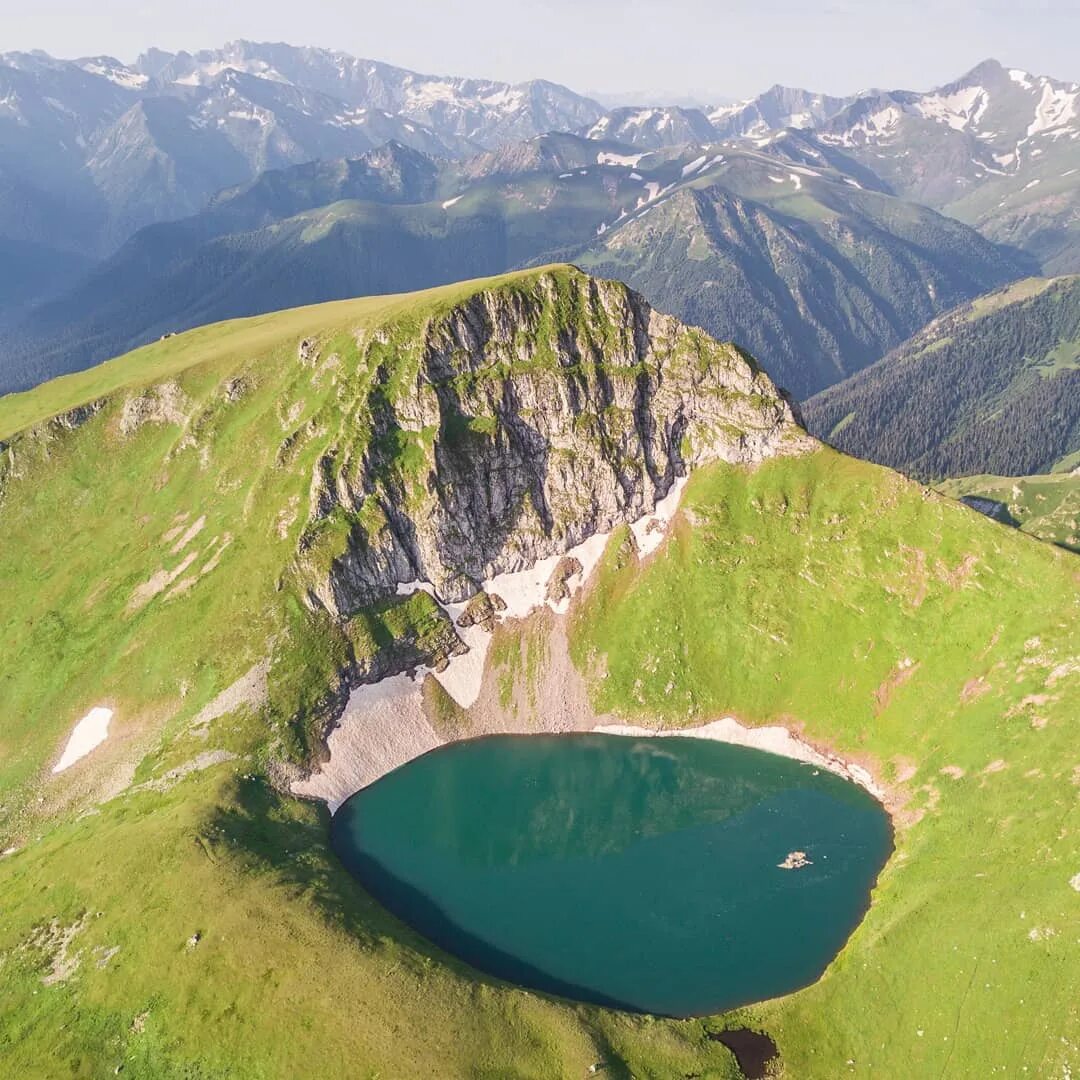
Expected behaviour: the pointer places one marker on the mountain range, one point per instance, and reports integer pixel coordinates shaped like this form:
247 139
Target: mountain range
126 146
817 231
815 273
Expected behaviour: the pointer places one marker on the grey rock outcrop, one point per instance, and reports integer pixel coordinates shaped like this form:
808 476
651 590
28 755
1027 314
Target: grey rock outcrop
519 423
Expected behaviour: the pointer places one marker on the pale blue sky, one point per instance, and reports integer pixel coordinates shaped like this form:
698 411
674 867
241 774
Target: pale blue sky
714 48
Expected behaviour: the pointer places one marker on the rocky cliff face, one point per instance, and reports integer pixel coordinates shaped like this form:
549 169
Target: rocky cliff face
515 425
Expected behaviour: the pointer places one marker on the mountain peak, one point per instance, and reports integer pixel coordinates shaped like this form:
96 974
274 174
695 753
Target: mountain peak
988 68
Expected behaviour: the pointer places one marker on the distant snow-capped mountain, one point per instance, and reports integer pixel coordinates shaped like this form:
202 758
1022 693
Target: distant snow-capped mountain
1004 107
475 113
998 148
134 144
779 107
653 127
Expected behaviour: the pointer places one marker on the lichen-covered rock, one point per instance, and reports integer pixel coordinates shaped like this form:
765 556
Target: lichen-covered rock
165 403
558 588
516 424
482 610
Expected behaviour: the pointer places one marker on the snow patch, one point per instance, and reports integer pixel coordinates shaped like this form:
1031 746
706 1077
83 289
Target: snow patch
774 740
652 191
88 734
523 591
1055 109
875 126
121 76
382 727
606 158
383 724
961 109
644 116
695 165
257 115
649 531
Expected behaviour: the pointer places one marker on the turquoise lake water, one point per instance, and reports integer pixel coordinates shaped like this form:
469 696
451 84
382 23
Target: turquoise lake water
639 873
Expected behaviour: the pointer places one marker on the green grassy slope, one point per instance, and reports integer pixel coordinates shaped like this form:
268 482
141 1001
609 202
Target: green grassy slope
796 592
991 387
907 632
1045 506
221 348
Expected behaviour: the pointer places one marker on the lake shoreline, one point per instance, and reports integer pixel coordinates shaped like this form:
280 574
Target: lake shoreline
389 723
772 738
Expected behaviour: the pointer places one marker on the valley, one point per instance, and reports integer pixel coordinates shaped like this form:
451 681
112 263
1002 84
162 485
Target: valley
991 387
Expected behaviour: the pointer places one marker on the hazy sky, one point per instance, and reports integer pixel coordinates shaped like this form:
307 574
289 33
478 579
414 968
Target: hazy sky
712 48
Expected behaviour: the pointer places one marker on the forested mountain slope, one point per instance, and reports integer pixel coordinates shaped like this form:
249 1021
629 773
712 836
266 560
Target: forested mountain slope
992 387
800 263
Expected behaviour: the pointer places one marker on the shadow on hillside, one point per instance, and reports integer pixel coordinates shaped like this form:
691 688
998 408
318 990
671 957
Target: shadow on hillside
290 841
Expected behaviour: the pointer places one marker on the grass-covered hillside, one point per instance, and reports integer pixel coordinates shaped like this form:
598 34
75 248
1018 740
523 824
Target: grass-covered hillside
992 387
170 521
1045 506
938 648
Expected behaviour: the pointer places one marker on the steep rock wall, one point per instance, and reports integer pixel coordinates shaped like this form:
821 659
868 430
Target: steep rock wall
517 424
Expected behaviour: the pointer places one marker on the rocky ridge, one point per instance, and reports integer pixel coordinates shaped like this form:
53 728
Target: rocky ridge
515 426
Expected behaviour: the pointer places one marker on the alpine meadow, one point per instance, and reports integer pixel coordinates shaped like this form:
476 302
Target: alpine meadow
507 583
